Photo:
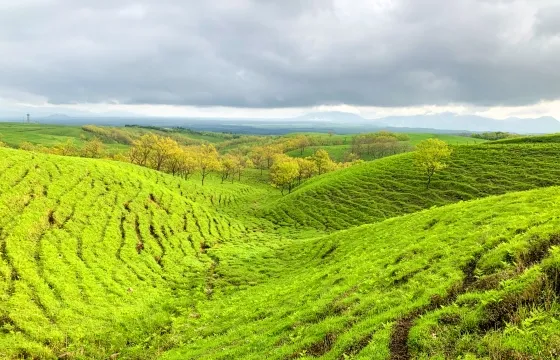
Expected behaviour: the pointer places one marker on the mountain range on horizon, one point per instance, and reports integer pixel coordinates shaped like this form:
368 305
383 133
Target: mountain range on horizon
321 119
443 121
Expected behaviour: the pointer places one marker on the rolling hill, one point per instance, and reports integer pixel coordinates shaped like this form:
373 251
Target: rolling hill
469 280
392 186
94 253
101 259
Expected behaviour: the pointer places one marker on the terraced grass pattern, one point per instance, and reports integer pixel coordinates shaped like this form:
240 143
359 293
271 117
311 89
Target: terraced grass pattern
106 260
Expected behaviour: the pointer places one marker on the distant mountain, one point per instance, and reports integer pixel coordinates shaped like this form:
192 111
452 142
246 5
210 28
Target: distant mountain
450 121
444 121
322 121
333 117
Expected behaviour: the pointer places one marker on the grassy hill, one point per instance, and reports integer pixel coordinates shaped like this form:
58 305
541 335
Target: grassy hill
14 134
100 259
94 254
392 186
470 280
551 138
337 152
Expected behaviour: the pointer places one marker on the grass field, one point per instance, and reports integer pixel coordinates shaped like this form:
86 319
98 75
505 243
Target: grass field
14 134
337 152
359 293
48 135
107 260
392 186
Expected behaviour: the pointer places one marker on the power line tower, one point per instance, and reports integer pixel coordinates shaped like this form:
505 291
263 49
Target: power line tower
28 119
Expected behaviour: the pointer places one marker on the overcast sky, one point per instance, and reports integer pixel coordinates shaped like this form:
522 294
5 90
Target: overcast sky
281 57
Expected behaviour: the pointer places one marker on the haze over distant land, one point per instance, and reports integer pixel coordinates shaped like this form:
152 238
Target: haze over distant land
393 61
339 122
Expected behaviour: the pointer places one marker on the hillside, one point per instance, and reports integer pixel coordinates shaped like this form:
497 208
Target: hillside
101 259
116 139
338 152
551 138
392 186
471 280
96 253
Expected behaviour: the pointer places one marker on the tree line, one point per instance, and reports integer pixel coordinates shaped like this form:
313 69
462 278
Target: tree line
380 144
165 154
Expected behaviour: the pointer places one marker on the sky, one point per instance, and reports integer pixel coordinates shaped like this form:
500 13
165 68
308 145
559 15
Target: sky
269 58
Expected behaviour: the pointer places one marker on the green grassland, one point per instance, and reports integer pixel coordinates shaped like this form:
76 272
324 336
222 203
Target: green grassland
72 271
101 259
14 134
551 138
338 152
392 186
349 294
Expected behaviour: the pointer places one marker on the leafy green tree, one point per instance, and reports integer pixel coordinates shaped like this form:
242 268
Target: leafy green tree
430 156
188 163
306 168
207 160
258 158
323 161
228 166
93 148
27 146
302 142
284 173
142 149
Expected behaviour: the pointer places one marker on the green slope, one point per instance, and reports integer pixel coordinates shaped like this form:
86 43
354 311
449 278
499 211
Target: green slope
73 275
214 280
392 186
551 138
337 152
475 270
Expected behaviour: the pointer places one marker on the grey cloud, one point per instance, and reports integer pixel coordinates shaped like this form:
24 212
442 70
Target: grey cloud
548 21
249 53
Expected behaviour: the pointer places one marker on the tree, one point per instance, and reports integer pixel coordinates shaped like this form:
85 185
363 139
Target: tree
67 148
241 163
27 146
323 161
302 142
141 149
228 166
270 152
188 162
283 172
430 156
258 158
350 157
306 168
174 159
207 160
162 150
93 148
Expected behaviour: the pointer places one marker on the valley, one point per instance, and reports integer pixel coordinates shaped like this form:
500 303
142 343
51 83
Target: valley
102 258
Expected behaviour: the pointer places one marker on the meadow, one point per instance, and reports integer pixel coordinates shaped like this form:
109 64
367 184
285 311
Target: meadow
103 259
393 186
338 152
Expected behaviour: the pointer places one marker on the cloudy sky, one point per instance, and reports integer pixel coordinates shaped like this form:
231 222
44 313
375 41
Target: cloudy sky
268 58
